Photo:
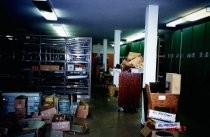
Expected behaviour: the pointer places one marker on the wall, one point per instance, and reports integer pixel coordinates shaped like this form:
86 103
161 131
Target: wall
99 49
96 51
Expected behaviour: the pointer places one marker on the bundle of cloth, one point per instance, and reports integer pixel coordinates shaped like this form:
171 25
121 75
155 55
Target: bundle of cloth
133 60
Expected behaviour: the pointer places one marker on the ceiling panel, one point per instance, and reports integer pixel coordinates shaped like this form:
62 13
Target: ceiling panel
91 18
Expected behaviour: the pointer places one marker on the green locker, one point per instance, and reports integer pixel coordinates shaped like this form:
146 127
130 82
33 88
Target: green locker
167 52
135 47
185 69
207 37
123 50
175 51
206 80
197 55
142 47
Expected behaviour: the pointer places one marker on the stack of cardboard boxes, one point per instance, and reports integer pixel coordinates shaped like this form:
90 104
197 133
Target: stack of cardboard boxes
164 122
160 121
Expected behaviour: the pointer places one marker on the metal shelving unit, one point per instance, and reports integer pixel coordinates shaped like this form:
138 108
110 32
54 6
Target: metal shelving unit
53 64
78 64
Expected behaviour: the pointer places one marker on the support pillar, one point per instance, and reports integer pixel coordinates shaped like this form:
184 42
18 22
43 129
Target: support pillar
116 72
150 48
105 54
117 38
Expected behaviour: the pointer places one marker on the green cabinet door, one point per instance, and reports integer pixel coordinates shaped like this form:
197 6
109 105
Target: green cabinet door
175 51
186 50
206 80
123 50
167 52
142 47
135 47
197 55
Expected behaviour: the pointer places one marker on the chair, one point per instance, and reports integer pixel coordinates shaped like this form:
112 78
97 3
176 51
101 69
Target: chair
162 100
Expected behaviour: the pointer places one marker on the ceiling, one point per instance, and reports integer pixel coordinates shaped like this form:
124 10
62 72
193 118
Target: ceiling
91 18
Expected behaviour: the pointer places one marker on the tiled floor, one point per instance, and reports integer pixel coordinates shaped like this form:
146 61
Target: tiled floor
105 119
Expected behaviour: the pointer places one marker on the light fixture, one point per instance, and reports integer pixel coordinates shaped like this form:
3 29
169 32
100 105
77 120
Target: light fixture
136 36
45 9
10 37
121 43
59 30
197 15
175 22
200 14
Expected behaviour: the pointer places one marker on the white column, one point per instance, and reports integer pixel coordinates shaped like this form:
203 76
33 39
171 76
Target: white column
105 54
150 48
116 72
117 37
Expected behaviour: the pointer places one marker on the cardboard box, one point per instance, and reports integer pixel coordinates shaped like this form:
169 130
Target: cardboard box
54 67
56 133
82 111
111 90
49 67
171 133
62 125
166 125
79 125
46 106
20 103
20 112
165 100
44 67
61 122
173 82
48 114
3 131
34 128
162 115
145 131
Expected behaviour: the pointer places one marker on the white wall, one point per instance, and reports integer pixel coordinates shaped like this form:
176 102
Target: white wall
99 49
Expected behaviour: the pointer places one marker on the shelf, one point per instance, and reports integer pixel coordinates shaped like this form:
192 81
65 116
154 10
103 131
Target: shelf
52 61
48 63
77 77
86 62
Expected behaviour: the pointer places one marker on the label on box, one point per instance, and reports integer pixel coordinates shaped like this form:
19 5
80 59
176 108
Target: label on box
166 125
162 97
162 115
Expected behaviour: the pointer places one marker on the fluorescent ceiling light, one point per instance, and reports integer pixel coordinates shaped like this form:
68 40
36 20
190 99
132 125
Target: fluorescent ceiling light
200 14
49 15
197 15
10 37
136 36
45 9
121 43
59 30
175 22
